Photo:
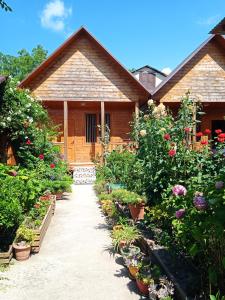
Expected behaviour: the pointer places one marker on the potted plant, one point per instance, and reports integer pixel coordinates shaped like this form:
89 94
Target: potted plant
136 204
22 243
161 289
124 238
134 264
145 276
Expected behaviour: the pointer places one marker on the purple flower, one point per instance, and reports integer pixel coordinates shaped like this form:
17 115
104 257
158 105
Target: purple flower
219 185
180 213
200 203
179 190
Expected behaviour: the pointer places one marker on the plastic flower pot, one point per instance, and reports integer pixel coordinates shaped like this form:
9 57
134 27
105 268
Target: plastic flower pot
143 288
133 271
22 252
59 196
137 211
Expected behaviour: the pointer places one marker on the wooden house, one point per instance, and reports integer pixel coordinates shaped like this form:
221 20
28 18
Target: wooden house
82 85
203 74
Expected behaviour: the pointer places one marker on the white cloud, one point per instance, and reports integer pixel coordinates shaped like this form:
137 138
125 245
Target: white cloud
54 15
211 20
166 70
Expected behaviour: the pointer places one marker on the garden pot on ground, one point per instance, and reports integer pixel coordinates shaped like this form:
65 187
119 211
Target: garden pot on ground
143 288
137 211
133 271
59 196
22 251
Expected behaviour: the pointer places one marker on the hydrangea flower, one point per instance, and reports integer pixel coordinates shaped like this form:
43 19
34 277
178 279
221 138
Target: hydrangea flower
200 203
219 185
180 213
179 190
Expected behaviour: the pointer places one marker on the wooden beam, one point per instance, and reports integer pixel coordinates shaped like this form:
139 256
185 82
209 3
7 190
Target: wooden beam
137 109
65 122
103 121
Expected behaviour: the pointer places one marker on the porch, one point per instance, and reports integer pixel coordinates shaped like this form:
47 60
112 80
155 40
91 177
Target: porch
82 127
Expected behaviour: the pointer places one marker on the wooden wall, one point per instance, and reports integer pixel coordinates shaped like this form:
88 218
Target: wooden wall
203 75
78 150
84 72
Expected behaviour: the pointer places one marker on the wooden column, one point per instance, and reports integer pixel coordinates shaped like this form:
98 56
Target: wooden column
137 109
103 121
65 121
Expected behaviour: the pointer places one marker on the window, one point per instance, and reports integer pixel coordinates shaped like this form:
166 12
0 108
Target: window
91 128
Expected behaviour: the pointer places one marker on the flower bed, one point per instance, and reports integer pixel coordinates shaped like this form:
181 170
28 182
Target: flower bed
41 231
184 186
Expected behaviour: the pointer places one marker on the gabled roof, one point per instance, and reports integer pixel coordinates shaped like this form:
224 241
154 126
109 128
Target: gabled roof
220 40
150 68
219 28
73 38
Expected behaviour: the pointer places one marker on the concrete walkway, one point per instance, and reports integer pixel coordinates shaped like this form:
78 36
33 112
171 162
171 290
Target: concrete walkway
73 263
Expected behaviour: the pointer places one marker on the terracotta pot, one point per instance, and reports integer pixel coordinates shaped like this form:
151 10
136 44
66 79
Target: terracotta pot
22 252
122 244
137 211
143 288
133 271
59 196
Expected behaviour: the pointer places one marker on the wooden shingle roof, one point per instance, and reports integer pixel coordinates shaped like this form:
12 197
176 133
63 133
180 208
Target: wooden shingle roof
219 28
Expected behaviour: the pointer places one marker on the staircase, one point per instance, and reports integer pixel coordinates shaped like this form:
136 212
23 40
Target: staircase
84 173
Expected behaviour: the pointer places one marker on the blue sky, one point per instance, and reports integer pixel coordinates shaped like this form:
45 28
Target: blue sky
159 33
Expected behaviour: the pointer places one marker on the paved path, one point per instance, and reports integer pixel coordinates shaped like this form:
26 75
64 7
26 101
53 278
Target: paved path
73 263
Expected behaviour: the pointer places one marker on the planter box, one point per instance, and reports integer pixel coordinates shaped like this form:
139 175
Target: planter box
40 233
5 257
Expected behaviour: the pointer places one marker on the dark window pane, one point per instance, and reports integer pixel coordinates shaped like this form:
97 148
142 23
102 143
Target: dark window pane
90 128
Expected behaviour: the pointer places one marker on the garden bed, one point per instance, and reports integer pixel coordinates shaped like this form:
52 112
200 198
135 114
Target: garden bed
5 257
41 231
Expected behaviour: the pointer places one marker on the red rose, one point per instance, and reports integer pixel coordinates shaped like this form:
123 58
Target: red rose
172 152
221 135
207 131
220 140
218 131
199 134
28 142
167 137
52 166
187 129
204 142
41 156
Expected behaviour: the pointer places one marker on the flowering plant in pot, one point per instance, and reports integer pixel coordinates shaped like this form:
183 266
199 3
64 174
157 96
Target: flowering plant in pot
146 275
161 289
134 264
22 243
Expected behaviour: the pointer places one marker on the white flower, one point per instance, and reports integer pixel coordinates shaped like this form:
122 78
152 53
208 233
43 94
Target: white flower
3 124
143 132
150 102
28 105
8 119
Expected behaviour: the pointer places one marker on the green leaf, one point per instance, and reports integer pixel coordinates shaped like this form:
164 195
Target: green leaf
212 297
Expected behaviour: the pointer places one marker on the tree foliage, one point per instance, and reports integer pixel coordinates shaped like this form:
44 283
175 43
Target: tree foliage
20 66
5 6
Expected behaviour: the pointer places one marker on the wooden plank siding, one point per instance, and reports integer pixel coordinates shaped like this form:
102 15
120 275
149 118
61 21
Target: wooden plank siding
203 75
84 73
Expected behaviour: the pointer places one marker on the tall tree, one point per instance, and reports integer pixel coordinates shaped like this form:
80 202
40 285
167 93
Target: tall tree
20 66
5 6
